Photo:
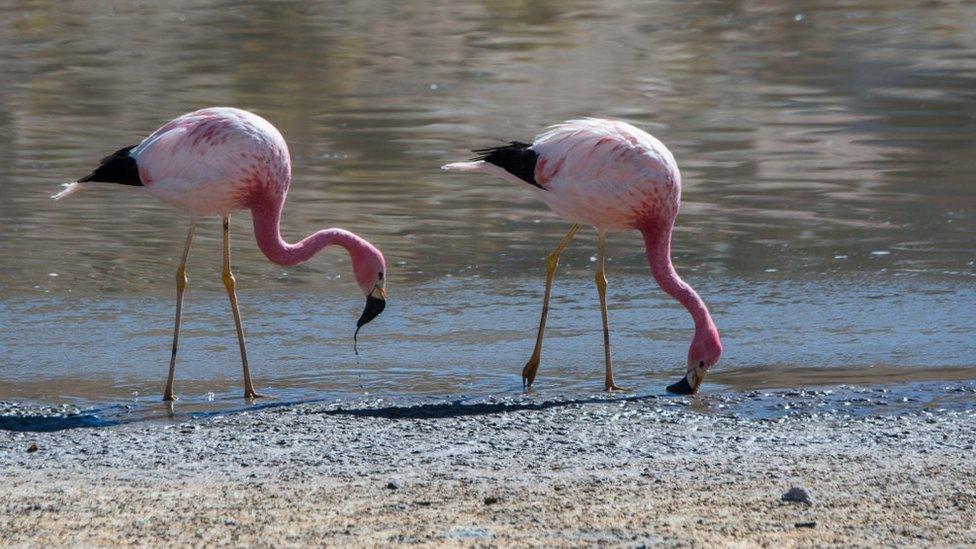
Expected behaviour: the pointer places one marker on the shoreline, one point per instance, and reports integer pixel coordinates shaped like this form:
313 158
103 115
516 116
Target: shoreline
626 471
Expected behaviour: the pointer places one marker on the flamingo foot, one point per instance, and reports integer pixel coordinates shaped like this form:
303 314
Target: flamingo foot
528 373
613 387
252 394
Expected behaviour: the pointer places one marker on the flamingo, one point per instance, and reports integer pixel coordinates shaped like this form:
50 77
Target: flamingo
216 161
614 177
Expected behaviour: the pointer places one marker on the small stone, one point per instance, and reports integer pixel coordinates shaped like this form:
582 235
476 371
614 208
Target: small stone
797 495
32 448
807 524
491 500
392 485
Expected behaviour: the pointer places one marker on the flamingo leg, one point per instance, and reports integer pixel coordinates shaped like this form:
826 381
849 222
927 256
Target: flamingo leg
181 281
532 366
231 283
601 286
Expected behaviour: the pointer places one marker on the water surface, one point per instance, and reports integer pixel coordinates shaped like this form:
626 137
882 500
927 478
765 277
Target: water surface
827 148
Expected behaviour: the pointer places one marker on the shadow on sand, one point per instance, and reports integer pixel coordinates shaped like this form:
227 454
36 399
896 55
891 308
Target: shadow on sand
459 408
48 424
112 416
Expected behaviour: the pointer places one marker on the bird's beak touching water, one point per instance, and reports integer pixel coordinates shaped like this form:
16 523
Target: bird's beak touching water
375 303
689 384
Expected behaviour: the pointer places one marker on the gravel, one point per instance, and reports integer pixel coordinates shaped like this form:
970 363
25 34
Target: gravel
508 471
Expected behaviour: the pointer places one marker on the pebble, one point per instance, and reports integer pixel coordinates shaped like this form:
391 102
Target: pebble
797 494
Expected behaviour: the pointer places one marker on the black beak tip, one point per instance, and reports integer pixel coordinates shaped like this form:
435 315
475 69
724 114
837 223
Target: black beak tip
681 388
374 306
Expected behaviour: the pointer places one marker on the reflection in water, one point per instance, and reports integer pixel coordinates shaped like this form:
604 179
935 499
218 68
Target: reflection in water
817 140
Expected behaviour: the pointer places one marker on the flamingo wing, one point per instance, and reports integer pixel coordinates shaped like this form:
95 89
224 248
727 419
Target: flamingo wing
196 147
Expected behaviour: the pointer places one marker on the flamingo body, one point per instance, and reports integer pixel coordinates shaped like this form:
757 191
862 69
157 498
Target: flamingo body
603 173
607 174
215 161
612 176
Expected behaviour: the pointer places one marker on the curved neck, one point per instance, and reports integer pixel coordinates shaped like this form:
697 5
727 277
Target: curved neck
267 231
657 242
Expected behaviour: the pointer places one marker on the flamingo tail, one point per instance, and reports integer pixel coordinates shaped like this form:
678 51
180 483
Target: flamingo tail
69 189
476 166
119 167
483 166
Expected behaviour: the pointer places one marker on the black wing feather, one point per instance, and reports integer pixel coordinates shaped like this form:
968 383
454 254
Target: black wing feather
118 167
516 158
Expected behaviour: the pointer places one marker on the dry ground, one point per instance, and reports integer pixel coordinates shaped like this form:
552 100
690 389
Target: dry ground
555 474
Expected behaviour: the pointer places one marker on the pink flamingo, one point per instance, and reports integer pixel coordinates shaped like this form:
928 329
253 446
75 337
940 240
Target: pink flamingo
217 161
613 176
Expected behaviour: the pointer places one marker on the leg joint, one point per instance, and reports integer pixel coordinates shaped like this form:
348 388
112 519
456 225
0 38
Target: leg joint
601 281
181 279
552 261
229 281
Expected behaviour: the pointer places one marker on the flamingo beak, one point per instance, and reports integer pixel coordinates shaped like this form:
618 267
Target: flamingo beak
689 384
375 303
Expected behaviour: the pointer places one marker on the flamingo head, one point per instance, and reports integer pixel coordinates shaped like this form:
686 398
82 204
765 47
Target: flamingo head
705 350
370 268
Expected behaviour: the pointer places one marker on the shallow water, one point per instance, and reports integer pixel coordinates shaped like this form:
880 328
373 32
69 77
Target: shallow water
827 148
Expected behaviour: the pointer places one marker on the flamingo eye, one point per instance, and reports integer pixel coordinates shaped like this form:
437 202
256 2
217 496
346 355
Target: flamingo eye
380 275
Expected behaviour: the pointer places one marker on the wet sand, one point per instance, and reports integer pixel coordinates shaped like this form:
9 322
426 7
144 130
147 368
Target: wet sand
506 472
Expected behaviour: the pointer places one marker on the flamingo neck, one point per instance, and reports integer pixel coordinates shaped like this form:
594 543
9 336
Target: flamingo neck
657 242
267 231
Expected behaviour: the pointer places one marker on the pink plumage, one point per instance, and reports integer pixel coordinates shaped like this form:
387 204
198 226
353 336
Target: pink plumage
213 162
612 176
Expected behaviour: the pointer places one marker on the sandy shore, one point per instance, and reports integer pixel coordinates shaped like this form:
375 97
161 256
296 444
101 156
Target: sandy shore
513 472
